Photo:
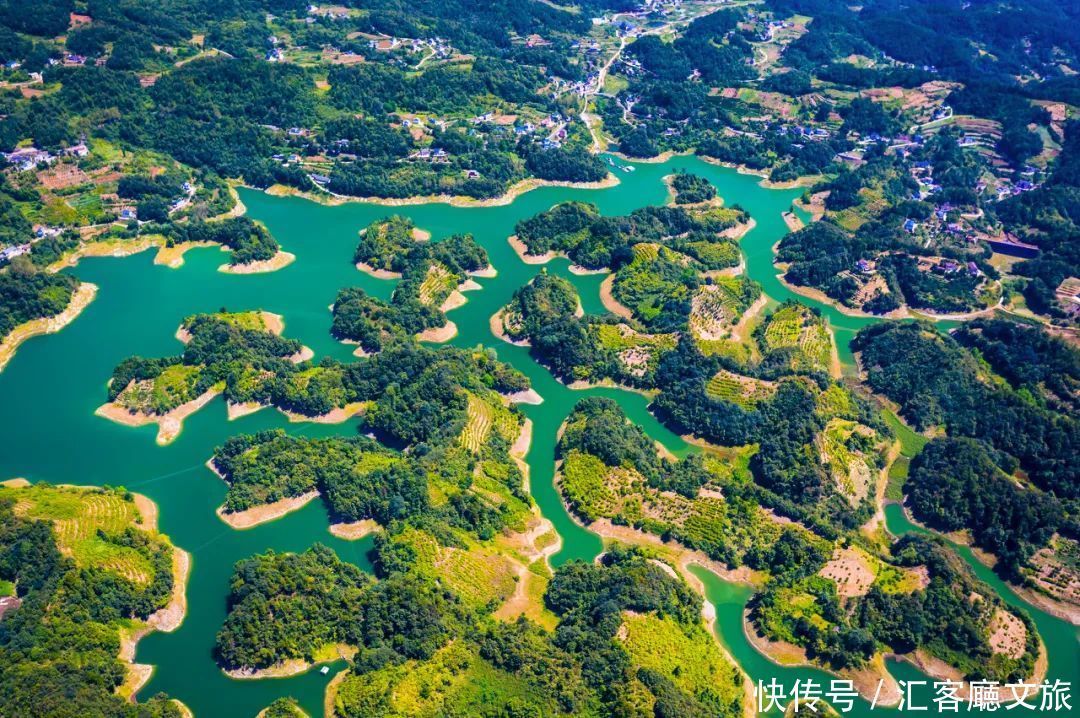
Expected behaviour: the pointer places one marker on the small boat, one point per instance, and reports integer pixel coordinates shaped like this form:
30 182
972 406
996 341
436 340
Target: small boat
324 670
628 168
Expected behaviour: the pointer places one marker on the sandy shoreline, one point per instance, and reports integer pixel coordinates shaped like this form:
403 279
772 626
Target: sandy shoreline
173 257
740 230
585 271
794 224
377 273
264 513
80 299
511 194
292 666
438 335
236 411
330 697
279 260
334 416
522 251
495 323
166 619
457 298
354 531
525 396
520 450
488 272
169 424
107 248
581 384
609 301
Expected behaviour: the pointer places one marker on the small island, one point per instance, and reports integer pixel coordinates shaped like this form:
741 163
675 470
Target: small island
165 391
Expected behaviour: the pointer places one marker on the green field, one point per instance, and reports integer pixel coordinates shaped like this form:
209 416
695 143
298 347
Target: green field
795 327
745 391
82 520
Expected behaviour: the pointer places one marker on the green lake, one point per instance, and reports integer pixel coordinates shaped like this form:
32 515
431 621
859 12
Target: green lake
52 386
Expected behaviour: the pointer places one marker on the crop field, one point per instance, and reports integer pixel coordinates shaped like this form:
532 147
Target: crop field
715 255
717 307
483 417
454 681
477 425
638 352
795 326
646 251
173 387
619 337
584 483
836 401
480 576
243 320
438 283
737 351
848 467
77 516
689 658
745 391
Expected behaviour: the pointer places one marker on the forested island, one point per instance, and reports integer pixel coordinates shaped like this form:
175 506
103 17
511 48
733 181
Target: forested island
90 575
236 355
433 277
449 407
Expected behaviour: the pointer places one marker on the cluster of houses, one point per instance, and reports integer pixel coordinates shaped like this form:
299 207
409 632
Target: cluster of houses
29 158
948 267
275 53
17 250
331 13
439 46
1068 296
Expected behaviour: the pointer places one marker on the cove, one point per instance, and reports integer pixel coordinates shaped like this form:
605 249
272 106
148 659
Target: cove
53 384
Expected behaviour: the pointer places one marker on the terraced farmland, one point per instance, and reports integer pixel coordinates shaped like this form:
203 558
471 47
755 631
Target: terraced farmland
481 576
687 656
483 416
745 391
438 283
716 308
795 326
639 352
840 447
173 387
78 515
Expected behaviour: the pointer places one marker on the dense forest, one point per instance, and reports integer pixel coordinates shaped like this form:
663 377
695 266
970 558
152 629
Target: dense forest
27 294
1013 428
